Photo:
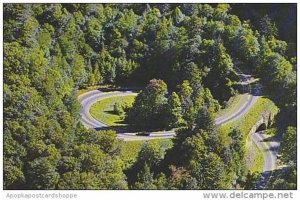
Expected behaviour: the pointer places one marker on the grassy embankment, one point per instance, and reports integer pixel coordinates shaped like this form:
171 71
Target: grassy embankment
103 110
130 149
254 156
233 103
95 87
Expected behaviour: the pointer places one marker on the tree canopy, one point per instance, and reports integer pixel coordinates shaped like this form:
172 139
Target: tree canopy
183 55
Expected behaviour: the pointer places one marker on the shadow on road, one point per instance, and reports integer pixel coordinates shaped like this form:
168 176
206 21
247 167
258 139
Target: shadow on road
264 178
255 89
268 178
129 129
120 89
120 129
271 139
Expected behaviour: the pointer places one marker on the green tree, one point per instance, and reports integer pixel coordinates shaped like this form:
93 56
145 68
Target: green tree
237 153
163 35
246 44
145 180
204 120
96 77
107 66
209 171
185 93
13 175
42 172
107 170
192 73
174 111
127 22
28 31
221 12
51 50
78 181
95 35
150 155
251 180
148 106
284 179
288 146
267 27
178 17
79 70
181 179
118 109
220 75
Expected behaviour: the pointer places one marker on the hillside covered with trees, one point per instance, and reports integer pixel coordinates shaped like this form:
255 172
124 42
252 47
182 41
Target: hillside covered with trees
183 55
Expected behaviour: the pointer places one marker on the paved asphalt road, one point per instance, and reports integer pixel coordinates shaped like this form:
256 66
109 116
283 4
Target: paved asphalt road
269 146
89 98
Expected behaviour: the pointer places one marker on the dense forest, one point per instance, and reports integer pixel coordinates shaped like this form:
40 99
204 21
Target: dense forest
183 55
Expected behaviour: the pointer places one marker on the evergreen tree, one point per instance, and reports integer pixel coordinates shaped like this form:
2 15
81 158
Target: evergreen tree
149 105
174 111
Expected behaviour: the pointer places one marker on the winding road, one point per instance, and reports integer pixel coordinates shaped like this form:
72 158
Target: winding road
268 148
89 98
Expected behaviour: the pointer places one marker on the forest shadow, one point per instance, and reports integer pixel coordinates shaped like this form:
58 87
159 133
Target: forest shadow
268 177
111 112
255 89
119 129
263 180
121 89
273 138
129 129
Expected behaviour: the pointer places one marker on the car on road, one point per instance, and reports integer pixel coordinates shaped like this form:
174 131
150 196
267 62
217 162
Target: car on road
143 133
